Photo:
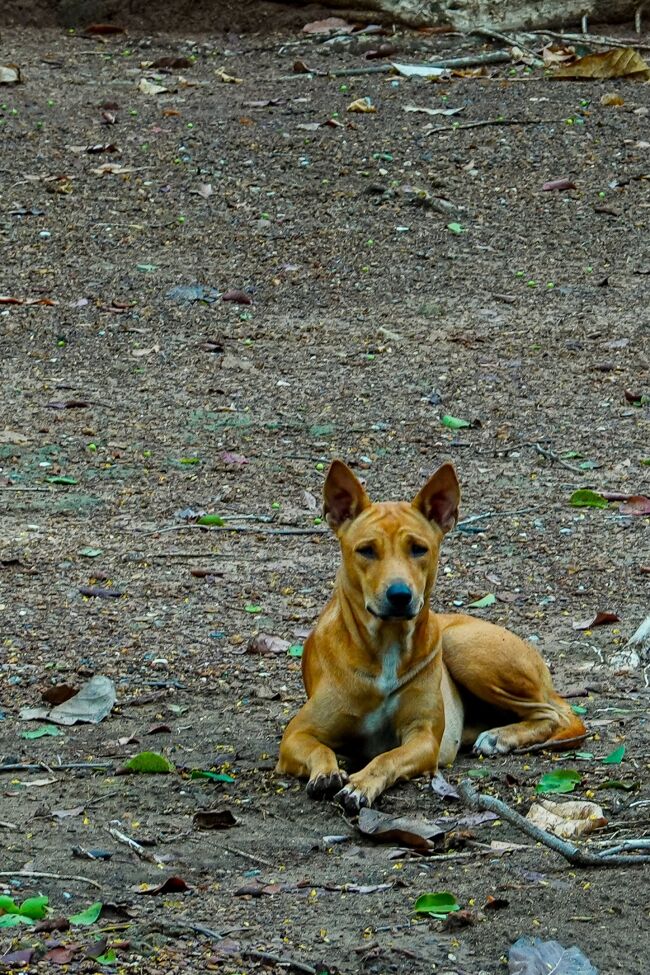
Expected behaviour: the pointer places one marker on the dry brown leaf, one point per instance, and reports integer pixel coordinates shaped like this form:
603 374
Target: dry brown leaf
363 105
621 62
553 54
114 169
566 819
612 98
330 25
228 79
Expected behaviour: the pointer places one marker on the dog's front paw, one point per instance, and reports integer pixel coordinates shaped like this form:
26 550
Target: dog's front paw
351 799
491 743
326 784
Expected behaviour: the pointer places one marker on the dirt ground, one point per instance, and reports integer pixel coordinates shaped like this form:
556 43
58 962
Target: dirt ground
371 318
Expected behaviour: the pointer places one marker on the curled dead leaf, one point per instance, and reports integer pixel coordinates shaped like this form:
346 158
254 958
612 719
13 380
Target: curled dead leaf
363 105
9 74
228 79
568 820
598 620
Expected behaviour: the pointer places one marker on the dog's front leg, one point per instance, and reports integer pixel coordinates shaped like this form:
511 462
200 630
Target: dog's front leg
417 754
304 755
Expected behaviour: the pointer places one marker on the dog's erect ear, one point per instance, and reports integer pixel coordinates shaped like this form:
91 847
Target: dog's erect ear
343 495
439 498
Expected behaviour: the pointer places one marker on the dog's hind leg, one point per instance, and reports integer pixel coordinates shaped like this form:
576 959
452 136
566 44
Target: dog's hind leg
509 675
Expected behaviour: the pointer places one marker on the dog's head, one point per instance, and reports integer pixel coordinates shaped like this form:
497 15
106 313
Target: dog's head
390 549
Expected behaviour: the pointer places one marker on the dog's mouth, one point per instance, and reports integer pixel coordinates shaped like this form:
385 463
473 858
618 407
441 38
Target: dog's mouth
392 615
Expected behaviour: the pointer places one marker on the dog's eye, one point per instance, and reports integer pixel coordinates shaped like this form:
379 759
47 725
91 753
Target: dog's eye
417 550
367 552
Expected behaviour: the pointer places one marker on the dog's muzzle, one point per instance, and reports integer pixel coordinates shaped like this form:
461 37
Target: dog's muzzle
398 603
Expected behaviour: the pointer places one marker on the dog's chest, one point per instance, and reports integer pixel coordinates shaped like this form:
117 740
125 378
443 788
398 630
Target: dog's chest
377 728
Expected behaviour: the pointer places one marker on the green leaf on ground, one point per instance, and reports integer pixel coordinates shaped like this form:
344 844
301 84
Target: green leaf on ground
561 780
295 650
615 757
13 920
479 773
453 422
252 608
109 958
438 905
578 709
60 479
456 228
488 600
89 916
210 520
149 763
584 498
46 729
200 773
189 460
618 784
34 908
7 905
89 553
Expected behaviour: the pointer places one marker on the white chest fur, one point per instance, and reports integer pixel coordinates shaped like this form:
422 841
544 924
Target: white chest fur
377 728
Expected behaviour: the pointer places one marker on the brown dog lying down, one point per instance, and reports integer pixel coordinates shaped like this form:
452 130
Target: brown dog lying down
393 684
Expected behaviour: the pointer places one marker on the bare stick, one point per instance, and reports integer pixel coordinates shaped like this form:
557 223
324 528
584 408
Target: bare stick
51 876
248 856
552 745
495 35
237 528
551 455
492 514
597 40
299 966
41 767
481 123
570 852
134 846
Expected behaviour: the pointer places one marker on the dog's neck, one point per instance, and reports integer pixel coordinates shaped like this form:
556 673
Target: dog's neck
381 638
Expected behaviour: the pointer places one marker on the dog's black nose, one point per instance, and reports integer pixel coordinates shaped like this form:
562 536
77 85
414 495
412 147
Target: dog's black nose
398 595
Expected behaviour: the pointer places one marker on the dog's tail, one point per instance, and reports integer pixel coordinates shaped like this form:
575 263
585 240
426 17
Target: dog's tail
571 725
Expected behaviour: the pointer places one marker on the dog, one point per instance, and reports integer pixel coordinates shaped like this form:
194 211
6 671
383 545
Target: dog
392 685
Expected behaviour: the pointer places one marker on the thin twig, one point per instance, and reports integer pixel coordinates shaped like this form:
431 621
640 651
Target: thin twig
51 876
41 767
596 40
455 126
552 745
252 953
495 35
248 856
236 528
551 455
575 855
492 514
134 846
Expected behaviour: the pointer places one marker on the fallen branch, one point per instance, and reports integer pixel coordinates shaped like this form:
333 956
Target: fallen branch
51 876
237 528
251 953
468 61
481 123
596 40
578 857
134 846
551 455
235 851
41 767
491 514
552 745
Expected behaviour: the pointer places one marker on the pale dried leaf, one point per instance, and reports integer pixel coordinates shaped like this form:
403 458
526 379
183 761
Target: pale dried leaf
363 105
568 820
9 74
228 79
621 62
151 87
